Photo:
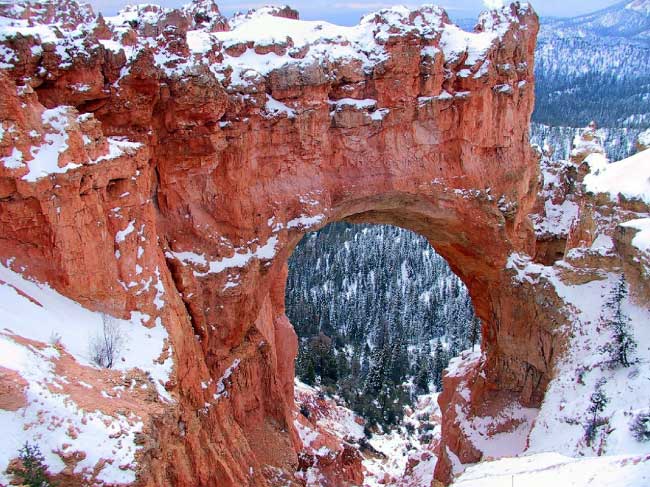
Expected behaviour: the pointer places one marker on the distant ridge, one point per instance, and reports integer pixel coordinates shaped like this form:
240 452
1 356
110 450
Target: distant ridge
595 67
630 20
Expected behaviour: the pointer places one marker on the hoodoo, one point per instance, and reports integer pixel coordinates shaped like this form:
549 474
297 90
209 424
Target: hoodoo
158 168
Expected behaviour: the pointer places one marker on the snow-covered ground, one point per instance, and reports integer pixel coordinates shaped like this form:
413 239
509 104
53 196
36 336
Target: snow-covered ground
402 447
629 177
615 458
545 469
66 404
388 455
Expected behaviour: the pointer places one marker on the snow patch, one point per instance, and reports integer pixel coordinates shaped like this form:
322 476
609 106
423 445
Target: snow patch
239 259
642 239
629 177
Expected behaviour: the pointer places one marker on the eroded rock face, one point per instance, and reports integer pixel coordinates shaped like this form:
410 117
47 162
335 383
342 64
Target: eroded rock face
195 157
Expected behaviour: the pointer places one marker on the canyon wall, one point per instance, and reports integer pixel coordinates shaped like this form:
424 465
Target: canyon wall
166 161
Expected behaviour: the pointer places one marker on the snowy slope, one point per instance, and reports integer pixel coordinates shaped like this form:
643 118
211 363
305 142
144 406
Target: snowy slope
556 447
70 405
615 458
629 177
547 469
402 457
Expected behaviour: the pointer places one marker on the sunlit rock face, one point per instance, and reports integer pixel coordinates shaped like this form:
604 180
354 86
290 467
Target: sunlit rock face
168 161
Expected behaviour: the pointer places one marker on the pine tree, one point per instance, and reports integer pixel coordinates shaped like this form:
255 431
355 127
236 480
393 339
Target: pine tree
399 362
342 365
309 374
598 402
33 472
622 346
377 374
475 331
439 364
365 363
423 373
640 426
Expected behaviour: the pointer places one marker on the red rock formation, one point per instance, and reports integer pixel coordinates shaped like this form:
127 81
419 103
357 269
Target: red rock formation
418 125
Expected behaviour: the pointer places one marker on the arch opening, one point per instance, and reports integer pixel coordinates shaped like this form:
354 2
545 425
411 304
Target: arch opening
378 314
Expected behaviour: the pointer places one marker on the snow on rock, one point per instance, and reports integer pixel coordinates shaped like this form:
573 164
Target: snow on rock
564 412
396 457
117 147
327 414
504 435
239 259
121 235
366 104
558 218
45 158
55 154
255 43
629 178
224 380
642 239
644 139
326 431
279 42
558 212
46 339
304 221
455 42
275 108
458 366
587 141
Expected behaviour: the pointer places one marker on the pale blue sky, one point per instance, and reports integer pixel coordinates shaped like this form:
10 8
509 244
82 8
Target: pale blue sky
348 12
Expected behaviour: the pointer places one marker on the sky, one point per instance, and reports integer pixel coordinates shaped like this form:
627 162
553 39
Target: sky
349 12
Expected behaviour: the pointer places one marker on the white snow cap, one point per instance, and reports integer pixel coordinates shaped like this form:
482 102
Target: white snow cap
642 6
493 4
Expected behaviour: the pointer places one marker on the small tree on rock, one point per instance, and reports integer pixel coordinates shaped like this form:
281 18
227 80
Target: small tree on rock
439 363
640 426
107 344
622 346
34 471
475 331
599 401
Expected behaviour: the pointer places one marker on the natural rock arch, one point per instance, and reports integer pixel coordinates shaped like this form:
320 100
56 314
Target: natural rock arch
428 137
457 169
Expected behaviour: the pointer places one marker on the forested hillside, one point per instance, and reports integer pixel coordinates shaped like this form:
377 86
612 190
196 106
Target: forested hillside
619 143
378 314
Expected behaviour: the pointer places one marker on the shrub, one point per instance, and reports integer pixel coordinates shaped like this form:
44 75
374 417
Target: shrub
106 345
304 410
640 426
34 471
55 339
